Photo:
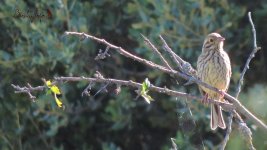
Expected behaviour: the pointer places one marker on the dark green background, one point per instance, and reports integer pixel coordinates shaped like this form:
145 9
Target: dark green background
30 51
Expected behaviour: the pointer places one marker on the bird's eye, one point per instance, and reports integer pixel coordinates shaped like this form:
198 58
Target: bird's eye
211 40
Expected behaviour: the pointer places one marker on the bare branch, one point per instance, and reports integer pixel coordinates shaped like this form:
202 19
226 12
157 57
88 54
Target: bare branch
102 55
184 66
226 106
149 63
27 90
157 52
120 50
174 146
248 133
102 88
252 55
176 60
228 132
86 91
230 98
137 85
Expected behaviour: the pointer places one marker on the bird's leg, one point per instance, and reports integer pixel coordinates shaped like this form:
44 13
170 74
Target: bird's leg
205 99
222 93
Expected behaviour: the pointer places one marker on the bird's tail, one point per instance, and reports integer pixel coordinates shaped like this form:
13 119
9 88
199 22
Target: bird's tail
216 119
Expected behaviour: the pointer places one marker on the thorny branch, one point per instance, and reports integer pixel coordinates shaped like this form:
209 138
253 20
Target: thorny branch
186 72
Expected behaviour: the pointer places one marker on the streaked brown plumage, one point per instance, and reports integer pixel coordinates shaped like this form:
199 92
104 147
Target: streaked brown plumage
214 68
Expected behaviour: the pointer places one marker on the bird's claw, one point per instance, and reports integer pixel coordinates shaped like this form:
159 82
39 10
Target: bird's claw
205 100
222 93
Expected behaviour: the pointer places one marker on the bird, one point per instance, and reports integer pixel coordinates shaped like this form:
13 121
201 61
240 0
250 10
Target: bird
214 68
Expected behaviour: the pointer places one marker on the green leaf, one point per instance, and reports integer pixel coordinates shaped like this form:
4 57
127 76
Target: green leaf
147 83
147 98
144 91
145 86
48 92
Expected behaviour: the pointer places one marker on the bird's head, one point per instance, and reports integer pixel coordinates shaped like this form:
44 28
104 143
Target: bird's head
214 41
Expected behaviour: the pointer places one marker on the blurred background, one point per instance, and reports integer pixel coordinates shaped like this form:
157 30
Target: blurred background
37 48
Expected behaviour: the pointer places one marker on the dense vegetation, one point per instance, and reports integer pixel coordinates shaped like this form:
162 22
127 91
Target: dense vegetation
33 50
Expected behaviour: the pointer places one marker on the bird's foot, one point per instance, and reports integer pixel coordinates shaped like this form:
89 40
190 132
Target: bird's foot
205 100
222 93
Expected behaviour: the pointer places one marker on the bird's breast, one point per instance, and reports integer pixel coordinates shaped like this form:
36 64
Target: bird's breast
213 68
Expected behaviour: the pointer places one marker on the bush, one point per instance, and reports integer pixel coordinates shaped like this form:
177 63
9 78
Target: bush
30 51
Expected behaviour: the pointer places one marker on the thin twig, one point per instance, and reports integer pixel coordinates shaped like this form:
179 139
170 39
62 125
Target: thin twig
157 52
226 106
137 85
120 50
27 90
184 66
174 146
100 90
102 55
86 91
228 132
252 55
172 54
248 133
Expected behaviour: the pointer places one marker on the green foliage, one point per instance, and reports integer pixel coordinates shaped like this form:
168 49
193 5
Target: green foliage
144 91
32 50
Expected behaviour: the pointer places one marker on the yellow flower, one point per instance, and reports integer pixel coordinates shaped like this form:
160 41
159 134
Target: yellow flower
53 88
58 101
48 83
56 91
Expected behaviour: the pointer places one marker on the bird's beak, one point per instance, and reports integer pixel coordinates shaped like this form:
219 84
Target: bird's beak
221 38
